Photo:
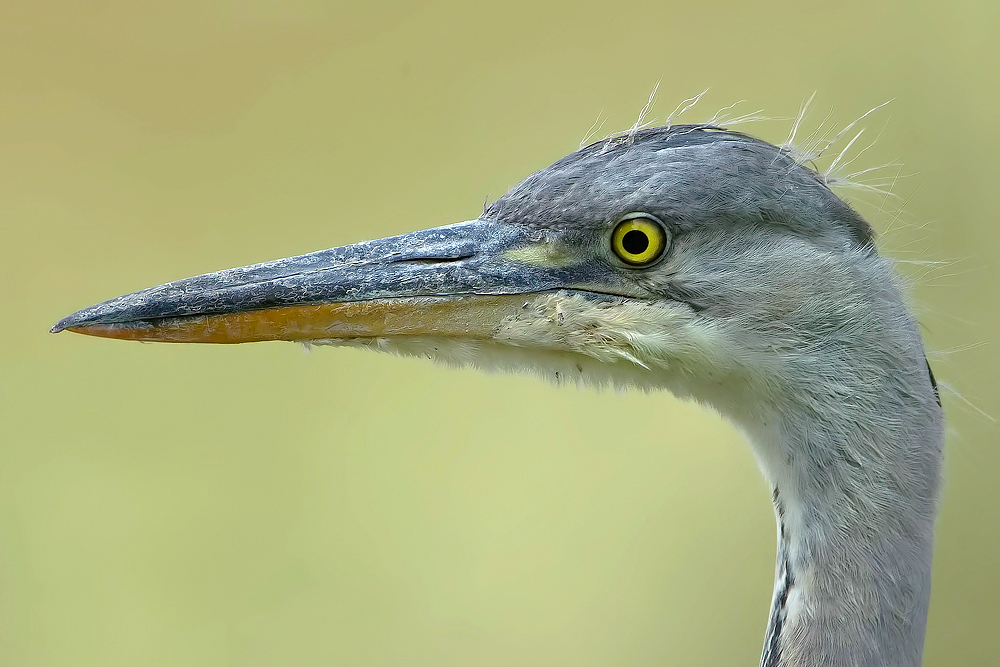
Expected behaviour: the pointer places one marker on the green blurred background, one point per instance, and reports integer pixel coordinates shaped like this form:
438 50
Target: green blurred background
257 505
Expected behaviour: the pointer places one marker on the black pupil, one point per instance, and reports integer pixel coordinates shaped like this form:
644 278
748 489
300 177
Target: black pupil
635 242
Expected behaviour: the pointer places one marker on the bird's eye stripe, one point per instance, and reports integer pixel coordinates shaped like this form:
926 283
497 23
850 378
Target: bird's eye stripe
638 240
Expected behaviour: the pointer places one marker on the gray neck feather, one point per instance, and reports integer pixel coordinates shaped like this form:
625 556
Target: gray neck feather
855 490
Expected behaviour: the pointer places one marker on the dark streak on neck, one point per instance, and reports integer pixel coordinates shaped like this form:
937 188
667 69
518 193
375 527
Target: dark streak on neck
937 394
772 643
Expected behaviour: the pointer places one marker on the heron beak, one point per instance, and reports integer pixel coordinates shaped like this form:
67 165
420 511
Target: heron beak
453 281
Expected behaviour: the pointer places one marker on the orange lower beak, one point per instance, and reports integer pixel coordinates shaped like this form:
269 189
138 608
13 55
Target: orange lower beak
467 316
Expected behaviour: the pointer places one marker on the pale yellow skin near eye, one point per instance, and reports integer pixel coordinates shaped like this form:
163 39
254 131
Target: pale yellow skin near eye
657 241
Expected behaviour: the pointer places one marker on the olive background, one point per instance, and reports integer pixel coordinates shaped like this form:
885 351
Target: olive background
260 505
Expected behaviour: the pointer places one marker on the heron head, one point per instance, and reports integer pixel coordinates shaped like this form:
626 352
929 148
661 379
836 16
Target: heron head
684 257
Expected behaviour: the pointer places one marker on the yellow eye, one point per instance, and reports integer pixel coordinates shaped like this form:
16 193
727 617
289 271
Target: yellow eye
639 240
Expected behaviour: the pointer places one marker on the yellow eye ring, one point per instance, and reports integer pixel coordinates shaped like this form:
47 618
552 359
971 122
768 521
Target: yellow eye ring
638 240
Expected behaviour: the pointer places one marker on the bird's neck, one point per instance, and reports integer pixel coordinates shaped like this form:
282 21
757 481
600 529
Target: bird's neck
855 499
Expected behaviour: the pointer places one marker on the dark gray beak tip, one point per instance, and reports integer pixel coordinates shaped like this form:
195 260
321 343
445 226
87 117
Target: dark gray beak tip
73 320
80 318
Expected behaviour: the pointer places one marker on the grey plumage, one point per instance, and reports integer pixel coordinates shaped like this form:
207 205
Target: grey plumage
770 303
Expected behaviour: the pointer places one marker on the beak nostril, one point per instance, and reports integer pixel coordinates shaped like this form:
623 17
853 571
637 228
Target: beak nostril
431 260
